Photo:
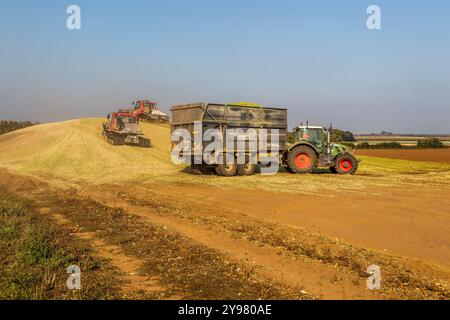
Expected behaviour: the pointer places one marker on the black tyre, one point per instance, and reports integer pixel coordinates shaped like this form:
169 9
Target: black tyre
333 170
247 169
118 141
199 169
346 164
105 137
109 139
226 170
301 159
144 143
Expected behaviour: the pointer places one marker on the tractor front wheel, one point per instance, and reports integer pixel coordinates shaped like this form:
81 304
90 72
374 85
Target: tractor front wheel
301 159
345 164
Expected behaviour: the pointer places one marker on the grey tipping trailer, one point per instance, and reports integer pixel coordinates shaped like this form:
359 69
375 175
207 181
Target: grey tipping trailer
232 116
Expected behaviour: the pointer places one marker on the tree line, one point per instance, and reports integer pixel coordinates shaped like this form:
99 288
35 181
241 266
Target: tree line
8 126
431 143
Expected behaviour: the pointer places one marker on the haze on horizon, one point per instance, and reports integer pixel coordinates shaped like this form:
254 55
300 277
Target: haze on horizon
316 58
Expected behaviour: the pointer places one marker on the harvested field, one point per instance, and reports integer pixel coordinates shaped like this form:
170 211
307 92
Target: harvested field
428 155
278 237
398 138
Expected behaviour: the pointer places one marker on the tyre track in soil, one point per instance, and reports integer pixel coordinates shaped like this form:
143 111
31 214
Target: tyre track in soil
412 223
137 284
315 278
408 277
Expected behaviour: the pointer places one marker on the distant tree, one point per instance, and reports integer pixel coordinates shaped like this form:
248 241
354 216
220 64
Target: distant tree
364 145
382 145
342 136
8 126
433 143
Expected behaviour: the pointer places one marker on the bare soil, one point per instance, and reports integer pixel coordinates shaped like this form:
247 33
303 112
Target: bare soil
192 241
155 263
428 155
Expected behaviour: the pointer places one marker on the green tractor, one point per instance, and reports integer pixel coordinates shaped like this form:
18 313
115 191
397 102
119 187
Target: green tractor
312 148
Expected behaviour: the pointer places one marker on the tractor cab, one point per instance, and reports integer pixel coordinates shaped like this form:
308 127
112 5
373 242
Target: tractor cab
314 135
124 122
148 111
317 136
145 106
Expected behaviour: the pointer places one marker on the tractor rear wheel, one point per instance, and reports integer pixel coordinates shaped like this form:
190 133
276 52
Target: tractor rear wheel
346 164
226 170
301 159
247 169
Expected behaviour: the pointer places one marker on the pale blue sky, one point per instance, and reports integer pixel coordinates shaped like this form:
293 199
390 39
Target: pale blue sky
316 58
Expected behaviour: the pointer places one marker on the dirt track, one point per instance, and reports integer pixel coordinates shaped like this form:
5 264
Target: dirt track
318 245
413 223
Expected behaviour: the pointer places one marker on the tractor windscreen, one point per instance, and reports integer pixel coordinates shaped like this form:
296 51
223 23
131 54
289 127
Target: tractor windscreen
130 120
127 123
312 135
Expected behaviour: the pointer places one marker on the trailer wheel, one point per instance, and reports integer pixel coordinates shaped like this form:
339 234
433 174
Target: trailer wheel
346 164
199 169
226 170
301 159
247 169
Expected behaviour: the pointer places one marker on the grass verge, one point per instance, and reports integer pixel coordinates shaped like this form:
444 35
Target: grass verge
35 254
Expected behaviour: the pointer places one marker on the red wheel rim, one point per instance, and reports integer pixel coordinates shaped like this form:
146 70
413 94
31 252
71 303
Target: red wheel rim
303 161
345 165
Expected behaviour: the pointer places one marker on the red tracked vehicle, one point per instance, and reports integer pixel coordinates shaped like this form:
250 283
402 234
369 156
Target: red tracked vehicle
148 111
123 129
